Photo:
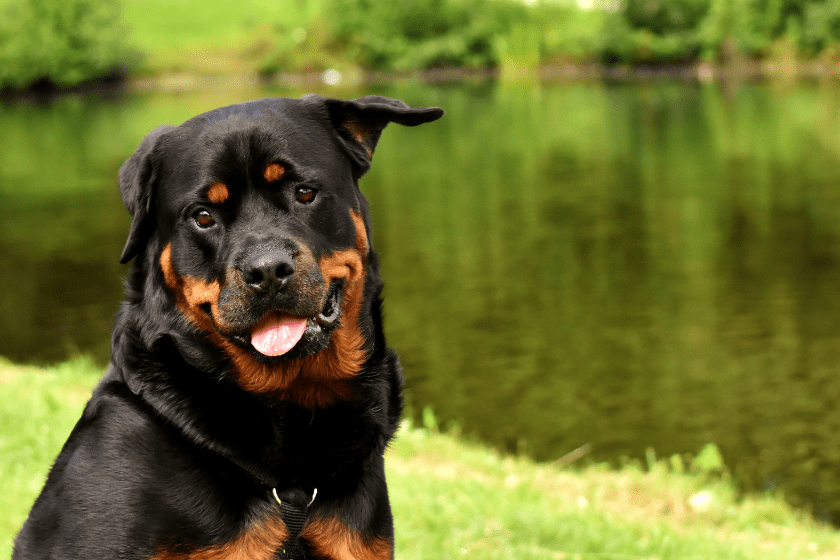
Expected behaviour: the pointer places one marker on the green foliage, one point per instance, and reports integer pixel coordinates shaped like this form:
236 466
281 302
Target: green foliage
747 26
646 31
387 35
687 30
568 33
665 17
622 43
303 48
73 41
709 460
222 38
821 25
66 42
430 423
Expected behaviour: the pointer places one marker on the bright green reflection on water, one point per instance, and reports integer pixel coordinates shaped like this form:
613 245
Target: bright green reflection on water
627 266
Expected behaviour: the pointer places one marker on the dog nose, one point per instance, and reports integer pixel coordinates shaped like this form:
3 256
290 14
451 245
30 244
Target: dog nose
268 270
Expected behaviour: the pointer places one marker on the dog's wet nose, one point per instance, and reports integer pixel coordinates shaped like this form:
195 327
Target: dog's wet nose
270 270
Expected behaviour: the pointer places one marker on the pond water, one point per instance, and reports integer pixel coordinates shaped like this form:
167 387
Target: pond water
620 265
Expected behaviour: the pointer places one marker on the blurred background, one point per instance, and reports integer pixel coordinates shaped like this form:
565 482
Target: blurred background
624 235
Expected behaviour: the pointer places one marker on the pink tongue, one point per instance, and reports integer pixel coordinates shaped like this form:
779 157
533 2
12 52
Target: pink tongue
278 336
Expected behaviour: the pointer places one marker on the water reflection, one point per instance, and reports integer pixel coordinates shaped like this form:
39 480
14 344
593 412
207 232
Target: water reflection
625 266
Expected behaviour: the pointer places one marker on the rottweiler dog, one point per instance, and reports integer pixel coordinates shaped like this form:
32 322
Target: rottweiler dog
250 394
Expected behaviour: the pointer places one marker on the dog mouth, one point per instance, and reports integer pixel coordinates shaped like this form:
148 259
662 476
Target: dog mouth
276 335
279 335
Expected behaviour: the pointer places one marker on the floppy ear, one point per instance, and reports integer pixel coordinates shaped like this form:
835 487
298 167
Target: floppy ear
360 123
137 176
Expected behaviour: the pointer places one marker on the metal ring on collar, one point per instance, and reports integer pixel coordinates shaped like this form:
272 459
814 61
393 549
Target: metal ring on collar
280 502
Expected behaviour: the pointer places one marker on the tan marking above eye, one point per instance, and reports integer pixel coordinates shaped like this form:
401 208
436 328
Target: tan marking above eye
274 172
218 193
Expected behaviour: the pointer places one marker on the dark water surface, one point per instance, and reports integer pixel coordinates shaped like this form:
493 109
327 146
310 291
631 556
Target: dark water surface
628 266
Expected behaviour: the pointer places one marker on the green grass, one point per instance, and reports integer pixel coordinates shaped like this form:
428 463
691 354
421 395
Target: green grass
38 408
210 37
455 499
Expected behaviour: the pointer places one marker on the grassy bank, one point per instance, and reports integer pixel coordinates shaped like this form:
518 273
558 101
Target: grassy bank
454 499
212 38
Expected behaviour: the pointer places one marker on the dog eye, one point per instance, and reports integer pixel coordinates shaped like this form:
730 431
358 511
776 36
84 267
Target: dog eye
203 219
305 194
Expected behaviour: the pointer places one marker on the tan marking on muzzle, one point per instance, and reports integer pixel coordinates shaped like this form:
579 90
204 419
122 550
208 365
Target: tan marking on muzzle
349 264
191 293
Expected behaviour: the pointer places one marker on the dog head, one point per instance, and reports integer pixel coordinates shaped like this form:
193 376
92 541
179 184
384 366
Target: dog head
252 218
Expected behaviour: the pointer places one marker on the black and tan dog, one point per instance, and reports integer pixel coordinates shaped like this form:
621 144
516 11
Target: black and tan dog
250 395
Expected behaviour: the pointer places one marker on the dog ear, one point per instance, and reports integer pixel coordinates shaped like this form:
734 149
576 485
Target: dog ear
360 123
136 178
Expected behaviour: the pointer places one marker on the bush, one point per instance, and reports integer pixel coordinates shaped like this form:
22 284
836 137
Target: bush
821 25
686 30
665 17
387 35
568 32
622 43
61 42
650 31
